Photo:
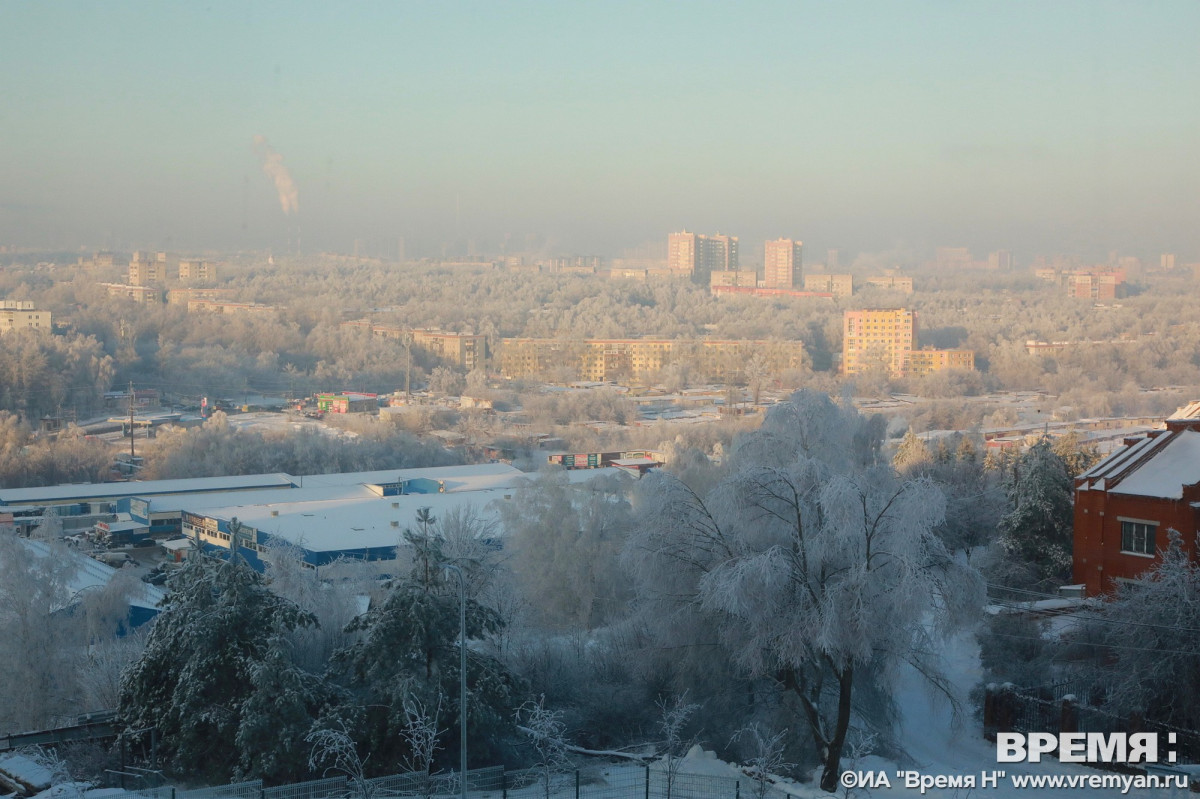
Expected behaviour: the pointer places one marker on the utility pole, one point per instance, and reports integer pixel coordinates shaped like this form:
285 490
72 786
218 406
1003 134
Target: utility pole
408 339
131 454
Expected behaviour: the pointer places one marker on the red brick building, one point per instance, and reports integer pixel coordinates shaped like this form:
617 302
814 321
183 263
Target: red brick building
1125 504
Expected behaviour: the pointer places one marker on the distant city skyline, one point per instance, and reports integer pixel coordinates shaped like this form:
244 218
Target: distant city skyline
594 128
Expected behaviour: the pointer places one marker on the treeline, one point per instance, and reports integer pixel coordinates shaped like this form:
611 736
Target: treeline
1142 341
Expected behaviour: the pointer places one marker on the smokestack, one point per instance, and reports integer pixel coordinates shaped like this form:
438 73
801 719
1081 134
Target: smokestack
272 165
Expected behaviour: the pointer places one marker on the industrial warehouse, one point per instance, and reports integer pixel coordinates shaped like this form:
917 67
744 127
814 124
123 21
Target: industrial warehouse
325 517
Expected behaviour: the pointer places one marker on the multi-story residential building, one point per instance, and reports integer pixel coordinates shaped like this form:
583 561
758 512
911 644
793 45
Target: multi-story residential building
1166 261
1097 285
197 270
893 282
214 306
837 285
184 296
697 256
619 359
22 315
782 264
144 270
888 339
1000 260
871 339
146 295
734 277
467 350
928 361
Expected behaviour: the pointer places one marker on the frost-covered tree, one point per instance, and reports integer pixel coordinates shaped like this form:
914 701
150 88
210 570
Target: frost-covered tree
1152 650
566 538
912 455
808 567
36 636
547 735
1036 533
407 648
215 680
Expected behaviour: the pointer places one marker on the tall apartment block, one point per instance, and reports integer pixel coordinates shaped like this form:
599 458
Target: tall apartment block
144 270
193 269
1000 260
888 338
697 256
782 260
873 338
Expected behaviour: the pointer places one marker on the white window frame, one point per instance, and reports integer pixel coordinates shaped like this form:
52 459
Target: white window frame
1151 539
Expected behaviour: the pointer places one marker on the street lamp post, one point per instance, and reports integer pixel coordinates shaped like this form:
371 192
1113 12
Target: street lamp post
462 675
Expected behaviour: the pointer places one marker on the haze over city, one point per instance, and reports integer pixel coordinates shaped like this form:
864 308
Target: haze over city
595 128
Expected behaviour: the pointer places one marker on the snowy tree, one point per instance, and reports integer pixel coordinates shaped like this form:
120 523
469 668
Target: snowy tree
766 760
566 539
36 637
912 454
407 648
811 568
1037 532
214 678
334 749
1151 650
673 718
546 732
422 738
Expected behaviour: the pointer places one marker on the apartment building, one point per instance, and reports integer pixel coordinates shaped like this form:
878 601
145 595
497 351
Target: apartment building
22 315
696 256
193 270
782 264
144 269
837 285
928 361
878 338
146 295
467 350
892 282
888 338
637 359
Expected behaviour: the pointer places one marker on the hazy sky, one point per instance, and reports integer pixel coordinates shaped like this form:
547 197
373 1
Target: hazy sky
1039 126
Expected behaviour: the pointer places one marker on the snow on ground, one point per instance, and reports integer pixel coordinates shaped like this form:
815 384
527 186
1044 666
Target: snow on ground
937 741
25 772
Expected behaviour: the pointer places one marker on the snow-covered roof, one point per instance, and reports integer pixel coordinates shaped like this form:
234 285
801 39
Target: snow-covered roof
89 573
1189 411
348 523
81 492
1174 465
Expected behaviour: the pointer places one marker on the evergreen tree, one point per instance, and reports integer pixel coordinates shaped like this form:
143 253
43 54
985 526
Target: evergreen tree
214 681
1037 532
408 648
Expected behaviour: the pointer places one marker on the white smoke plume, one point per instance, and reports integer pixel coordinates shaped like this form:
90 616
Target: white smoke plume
272 165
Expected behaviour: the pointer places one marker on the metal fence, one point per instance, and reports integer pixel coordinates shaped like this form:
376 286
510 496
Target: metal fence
612 781
236 790
313 789
1010 709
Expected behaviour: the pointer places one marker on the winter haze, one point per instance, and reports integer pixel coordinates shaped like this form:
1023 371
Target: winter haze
991 125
